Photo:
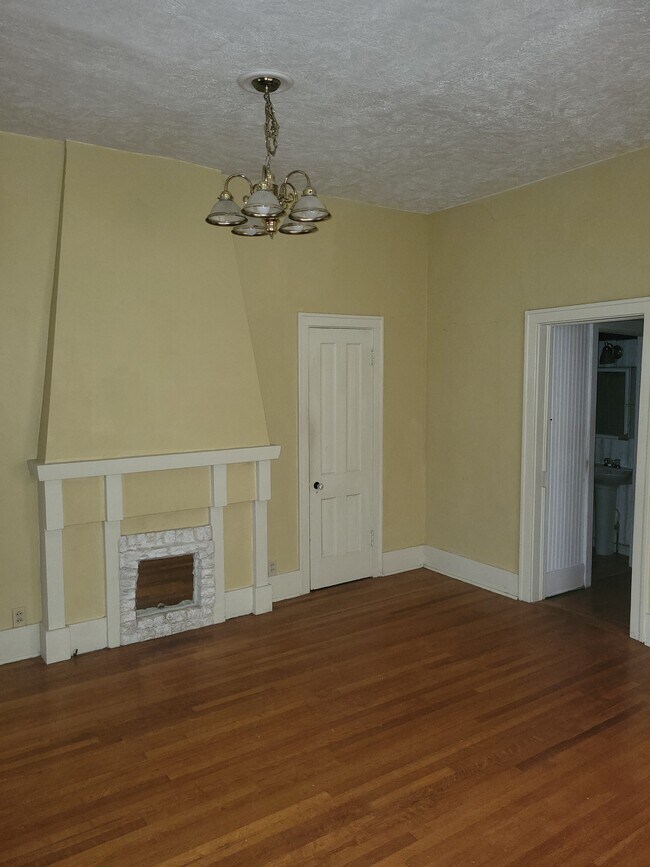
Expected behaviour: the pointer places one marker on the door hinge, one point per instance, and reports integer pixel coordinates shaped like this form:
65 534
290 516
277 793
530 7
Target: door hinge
372 357
372 538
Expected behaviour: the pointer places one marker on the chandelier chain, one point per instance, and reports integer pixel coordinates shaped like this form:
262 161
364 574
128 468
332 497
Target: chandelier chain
271 128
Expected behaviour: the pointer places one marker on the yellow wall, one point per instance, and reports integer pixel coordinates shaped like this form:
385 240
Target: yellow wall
172 285
30 186
83 572
576 238
365 261
151 349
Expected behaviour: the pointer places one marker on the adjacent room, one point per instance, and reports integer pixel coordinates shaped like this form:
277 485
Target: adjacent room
328 549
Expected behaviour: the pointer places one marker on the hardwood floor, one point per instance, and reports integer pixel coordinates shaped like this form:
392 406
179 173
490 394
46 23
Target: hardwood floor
607 601
411 720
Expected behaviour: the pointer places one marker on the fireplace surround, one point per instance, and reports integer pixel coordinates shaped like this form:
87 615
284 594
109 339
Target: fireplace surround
56 635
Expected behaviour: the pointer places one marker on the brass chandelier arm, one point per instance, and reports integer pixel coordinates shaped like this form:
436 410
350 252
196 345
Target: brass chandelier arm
298 172
287 194
237 175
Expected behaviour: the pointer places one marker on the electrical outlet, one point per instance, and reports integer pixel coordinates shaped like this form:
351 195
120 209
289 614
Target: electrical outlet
272 568
19 616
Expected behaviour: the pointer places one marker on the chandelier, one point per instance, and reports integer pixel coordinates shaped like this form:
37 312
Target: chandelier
269 207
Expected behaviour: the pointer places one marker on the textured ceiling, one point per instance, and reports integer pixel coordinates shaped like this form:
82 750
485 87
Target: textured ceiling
416 104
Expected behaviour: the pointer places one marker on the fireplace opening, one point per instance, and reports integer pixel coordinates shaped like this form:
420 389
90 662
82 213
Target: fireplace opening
164 582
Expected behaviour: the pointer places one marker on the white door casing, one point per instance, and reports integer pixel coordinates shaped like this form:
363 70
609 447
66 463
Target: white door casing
340 447
568 496
534 451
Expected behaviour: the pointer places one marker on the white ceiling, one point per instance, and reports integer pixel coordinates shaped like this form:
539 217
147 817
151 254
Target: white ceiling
415 104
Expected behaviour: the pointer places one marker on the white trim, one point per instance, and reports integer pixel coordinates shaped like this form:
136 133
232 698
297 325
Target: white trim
148 463
403 560
52 584
239 602
88 636
54 632
114 497
55 644
24 642
53 505
263 480
335 320
114 505
219 485
262 594
563 580
216 523
471 571
533 467
287 585
112 534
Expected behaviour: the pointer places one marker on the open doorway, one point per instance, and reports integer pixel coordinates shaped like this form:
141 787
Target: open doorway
538 464
604 441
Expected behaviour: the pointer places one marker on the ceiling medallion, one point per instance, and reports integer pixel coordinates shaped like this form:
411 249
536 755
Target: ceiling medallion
267 203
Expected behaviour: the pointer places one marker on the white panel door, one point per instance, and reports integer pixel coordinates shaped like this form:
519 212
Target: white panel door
567 549
340 454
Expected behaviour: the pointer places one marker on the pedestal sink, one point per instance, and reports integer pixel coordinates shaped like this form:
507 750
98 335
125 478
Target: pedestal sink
607 481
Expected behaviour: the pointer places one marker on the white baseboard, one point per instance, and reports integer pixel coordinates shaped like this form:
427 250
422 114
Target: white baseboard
88 636
287 585
239 602
402 560
24 642
472 572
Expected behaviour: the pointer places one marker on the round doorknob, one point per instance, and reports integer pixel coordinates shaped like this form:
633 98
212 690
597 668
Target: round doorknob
318 486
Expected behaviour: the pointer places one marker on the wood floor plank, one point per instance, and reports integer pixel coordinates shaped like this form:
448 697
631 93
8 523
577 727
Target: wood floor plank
410 720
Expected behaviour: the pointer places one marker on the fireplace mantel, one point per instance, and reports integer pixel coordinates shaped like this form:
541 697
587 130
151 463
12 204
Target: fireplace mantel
56 642
146 463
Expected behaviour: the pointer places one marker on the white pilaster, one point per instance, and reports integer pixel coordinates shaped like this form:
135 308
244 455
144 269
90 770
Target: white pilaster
219 485
262 592
55 640
114 503
216 522
219 500
55 644
263 480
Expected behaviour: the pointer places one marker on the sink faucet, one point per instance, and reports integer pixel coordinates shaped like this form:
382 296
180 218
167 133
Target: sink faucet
607 462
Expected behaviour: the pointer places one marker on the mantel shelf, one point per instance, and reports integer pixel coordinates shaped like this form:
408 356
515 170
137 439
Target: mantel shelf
148 463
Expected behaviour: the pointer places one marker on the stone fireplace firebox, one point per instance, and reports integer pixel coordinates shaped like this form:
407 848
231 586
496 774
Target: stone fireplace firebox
123 623
142 624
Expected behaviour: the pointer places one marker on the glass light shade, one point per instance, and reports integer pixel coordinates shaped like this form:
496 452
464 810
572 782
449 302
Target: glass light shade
253 228
290 227
263 203
225 212
309 209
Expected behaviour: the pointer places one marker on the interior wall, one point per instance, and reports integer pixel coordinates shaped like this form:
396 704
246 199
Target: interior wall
576 238
365 261
573 239
151 350
30 188
150 324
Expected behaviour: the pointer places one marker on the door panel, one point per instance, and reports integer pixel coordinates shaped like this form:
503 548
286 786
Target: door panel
340 451
568 538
